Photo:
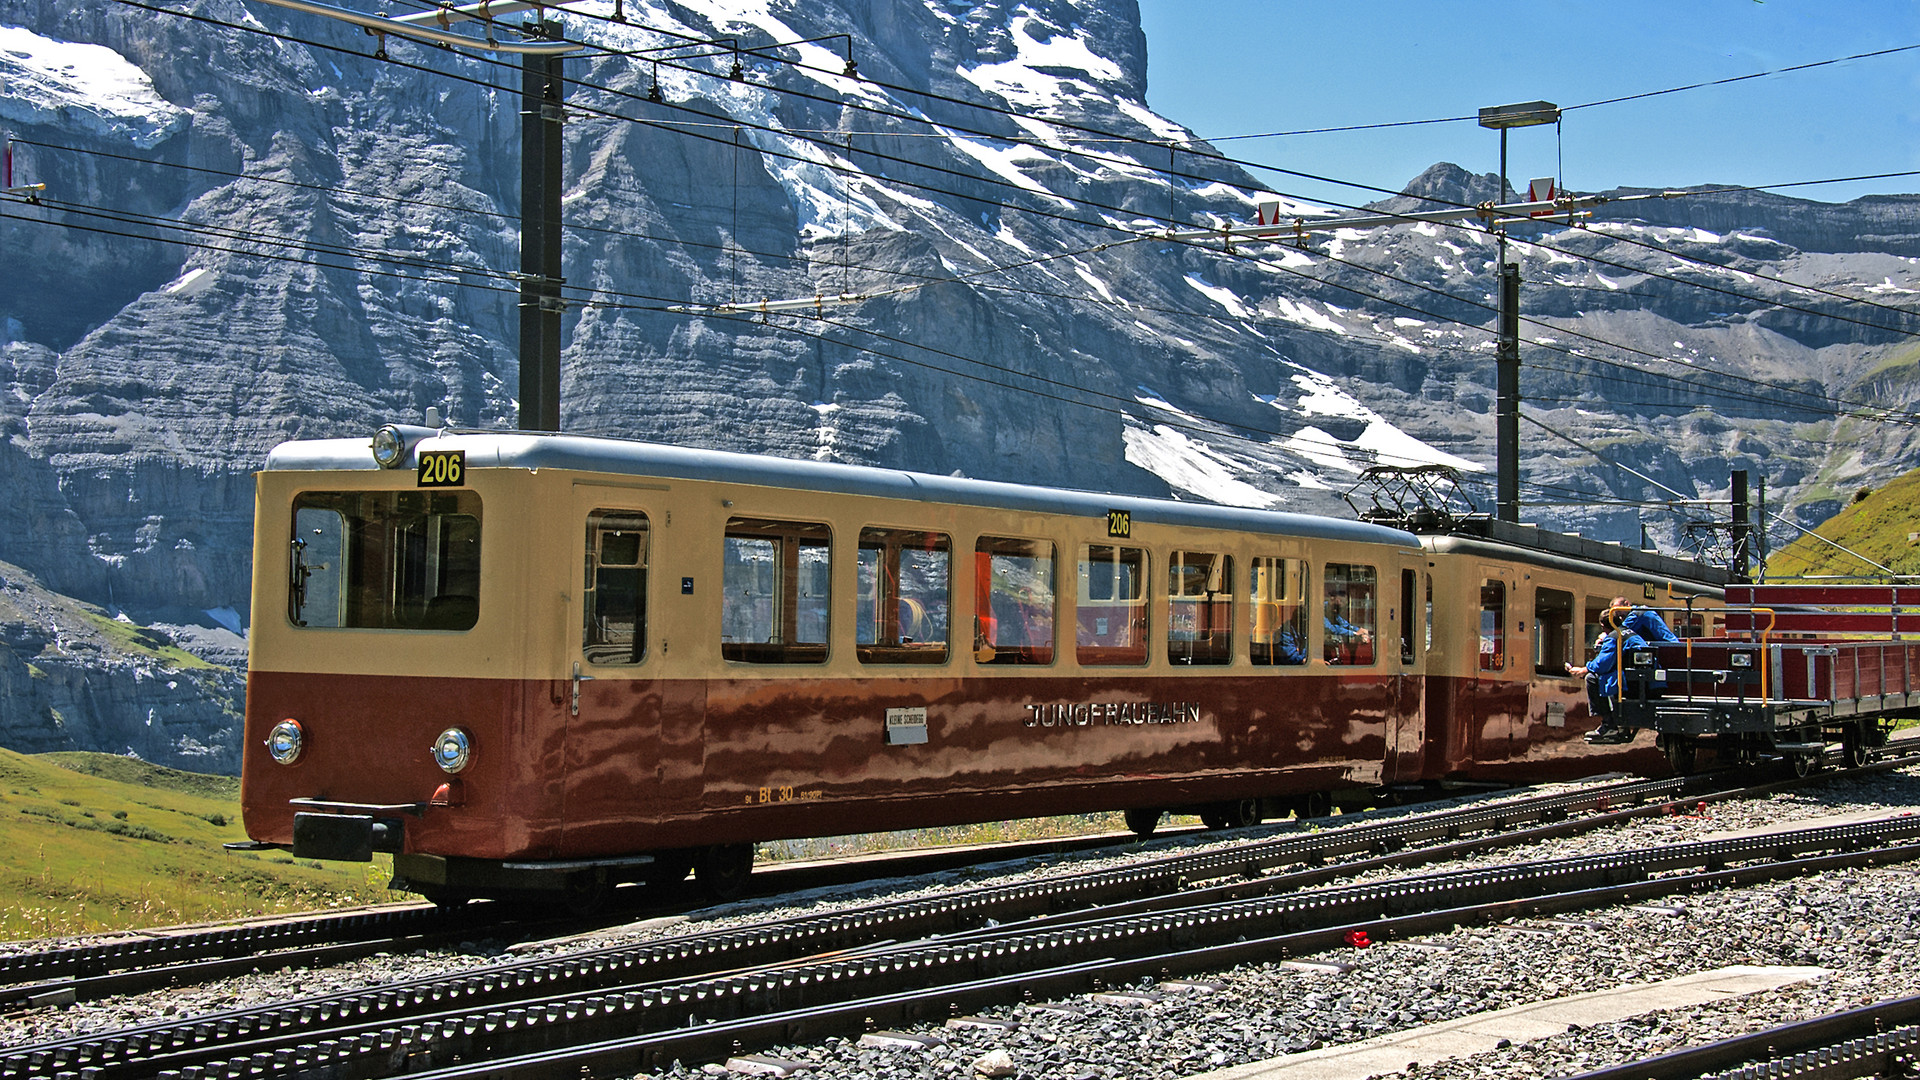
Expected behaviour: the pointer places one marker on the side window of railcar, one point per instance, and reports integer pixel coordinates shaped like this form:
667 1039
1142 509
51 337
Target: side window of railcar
904 579
385 560
1013 586
1590 636
1277 590
1409 581
1350 613
775 582
616 587
1553 645
1110 623
1429 645
1199 608
1493 625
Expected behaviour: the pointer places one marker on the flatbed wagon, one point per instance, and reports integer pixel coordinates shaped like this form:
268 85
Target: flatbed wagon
1802 669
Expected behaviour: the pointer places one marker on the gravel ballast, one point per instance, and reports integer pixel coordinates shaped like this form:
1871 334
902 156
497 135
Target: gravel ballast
1863 925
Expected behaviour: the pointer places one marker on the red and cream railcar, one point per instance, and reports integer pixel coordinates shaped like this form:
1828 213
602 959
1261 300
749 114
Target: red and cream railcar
529 662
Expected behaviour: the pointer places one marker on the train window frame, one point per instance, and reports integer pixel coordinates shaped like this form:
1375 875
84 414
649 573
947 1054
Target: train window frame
908 611
1278 634
1350 614
1200 608
610 577
1110 587
1492 655
1409 586
796 624
401 560
1553 640
1008 600
1592 629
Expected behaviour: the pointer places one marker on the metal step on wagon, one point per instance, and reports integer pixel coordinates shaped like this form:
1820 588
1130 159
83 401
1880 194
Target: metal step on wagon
1804 670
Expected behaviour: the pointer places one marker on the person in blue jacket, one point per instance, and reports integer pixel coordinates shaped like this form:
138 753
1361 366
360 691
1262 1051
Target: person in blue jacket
1644 621
1289 648
1603 676
1343 638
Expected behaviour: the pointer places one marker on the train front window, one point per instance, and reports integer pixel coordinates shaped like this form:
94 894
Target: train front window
1349 613
385 560
904 579
1111 618
775 581
1199 608
1013 587
1552 632
1277 590
615 603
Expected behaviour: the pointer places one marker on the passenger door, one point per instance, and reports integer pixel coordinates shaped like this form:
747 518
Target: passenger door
1405 656
633 735
1500 676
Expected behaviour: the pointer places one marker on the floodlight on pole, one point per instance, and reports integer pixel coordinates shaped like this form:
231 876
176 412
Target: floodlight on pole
1506 412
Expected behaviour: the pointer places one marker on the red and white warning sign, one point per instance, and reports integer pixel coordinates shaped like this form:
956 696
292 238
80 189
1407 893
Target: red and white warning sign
1541 190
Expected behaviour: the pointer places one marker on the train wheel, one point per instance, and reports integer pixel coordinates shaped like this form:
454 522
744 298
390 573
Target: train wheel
1804 764
722 870
1232 814
1141 823
442 898
1683 754
670 867
587 894
1854 750
1242 813
1314 804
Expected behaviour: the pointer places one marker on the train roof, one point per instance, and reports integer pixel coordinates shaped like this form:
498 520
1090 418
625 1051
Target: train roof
539 450
1544 547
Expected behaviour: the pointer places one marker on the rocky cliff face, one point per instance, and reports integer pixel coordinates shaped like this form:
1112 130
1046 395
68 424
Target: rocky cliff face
263 232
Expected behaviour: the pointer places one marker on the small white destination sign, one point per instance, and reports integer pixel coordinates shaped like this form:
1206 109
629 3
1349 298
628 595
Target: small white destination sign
905 727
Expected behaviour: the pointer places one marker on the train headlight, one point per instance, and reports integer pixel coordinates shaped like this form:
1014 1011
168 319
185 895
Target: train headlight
452 750
286 741
389 447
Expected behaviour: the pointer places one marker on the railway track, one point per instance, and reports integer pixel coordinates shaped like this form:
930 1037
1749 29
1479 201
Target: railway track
1163 920
1880 1040
146 961
90 972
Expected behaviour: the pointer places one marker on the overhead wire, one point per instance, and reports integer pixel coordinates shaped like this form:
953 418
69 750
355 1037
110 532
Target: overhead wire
974 179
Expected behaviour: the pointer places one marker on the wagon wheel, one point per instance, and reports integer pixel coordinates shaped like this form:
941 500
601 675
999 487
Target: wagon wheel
1232 814
722 870
1854 750
1141 823
1683 754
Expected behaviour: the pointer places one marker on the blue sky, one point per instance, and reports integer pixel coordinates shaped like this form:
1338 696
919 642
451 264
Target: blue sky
1232 67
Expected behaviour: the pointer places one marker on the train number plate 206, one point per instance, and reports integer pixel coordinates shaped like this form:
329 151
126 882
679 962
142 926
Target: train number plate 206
443 468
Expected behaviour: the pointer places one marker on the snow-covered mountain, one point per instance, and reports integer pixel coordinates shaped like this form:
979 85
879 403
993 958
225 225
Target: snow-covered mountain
253 229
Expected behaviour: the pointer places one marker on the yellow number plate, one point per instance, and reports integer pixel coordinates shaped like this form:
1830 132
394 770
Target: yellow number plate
443 468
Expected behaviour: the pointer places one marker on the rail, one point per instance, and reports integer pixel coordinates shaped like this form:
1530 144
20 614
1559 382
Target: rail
641 1026
540 993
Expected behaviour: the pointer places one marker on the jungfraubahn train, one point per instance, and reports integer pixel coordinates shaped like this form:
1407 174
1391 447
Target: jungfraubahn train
538 664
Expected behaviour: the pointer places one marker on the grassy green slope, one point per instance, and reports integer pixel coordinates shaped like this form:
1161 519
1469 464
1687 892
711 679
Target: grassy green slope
1876 527
92 842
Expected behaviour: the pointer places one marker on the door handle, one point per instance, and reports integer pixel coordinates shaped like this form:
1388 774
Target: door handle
577 680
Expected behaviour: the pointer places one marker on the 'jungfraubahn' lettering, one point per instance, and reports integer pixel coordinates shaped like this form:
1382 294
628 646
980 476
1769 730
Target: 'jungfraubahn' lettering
1087 714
